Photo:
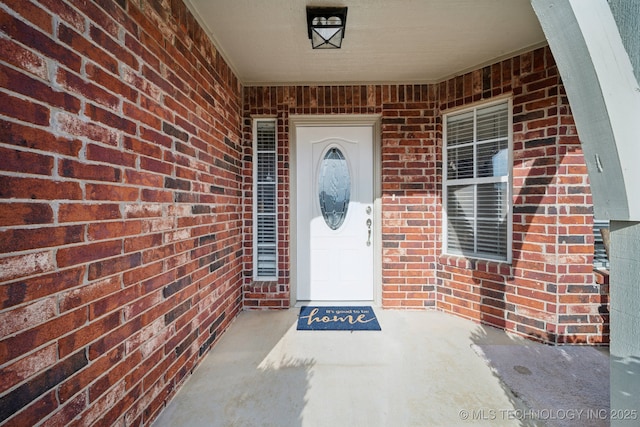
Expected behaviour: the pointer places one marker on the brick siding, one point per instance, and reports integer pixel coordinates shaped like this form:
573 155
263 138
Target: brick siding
120 176
125 205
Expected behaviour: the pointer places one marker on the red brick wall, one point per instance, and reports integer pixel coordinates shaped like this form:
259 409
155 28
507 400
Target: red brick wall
125 246
120 207
411 209
549 291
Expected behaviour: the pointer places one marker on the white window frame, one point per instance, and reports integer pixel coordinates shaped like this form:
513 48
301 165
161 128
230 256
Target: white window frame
476 181
256 213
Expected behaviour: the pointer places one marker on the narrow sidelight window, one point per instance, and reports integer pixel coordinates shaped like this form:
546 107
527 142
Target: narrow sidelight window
477 182
265 201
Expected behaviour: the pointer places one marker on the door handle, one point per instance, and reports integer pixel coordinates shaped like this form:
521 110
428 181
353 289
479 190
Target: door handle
369 222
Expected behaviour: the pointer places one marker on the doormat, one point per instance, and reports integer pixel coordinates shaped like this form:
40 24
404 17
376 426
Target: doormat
313 318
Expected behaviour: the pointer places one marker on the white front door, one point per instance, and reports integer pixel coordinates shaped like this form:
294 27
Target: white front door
334 213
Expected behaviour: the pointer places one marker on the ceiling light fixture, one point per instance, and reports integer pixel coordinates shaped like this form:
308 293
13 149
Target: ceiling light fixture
326 26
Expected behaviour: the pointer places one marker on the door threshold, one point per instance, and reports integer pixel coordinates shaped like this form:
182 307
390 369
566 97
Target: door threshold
371 303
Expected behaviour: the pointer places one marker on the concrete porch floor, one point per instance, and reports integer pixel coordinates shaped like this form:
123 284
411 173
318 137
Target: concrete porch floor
425 368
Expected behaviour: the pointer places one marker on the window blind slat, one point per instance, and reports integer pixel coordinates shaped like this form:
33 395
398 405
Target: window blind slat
265 200
460 129
600 258
492 122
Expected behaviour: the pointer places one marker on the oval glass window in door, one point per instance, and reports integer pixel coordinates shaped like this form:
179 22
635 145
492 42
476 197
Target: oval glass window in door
334 188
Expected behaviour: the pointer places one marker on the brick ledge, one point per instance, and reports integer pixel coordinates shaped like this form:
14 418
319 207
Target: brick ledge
489 266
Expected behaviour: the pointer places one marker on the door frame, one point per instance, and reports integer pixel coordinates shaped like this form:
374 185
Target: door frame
370 120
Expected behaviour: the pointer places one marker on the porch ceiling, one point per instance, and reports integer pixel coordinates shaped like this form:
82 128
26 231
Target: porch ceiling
386 41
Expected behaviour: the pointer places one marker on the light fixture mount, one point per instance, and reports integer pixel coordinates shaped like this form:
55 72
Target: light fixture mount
326 26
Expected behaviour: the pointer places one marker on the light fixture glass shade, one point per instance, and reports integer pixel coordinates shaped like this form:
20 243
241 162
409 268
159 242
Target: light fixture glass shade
326 26
326 38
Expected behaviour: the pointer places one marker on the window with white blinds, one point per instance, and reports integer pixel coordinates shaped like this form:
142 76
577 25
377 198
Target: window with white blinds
265 201
600 256
477 182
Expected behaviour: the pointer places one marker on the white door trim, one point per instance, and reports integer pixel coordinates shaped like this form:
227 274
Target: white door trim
374 121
